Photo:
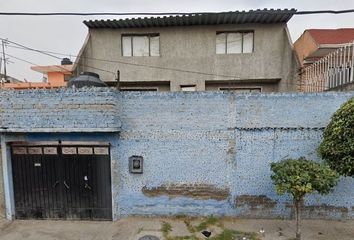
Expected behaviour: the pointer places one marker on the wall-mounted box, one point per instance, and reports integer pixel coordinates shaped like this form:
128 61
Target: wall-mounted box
136 164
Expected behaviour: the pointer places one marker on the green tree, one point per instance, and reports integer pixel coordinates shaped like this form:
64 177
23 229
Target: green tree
299 177
337 147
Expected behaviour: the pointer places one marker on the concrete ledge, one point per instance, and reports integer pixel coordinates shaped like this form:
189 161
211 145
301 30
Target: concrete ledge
59 130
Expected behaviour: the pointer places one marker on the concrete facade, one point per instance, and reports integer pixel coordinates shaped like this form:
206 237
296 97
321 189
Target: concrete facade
272 65
204 153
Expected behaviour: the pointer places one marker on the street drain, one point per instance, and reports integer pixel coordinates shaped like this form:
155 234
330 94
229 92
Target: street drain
149 237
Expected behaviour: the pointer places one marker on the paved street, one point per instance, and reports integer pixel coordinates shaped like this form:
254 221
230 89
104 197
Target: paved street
133 228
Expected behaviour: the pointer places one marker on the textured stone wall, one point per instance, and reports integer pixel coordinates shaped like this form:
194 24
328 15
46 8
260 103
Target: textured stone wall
57 110
200 145
205 152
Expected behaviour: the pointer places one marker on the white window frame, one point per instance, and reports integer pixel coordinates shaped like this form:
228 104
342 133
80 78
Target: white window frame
242 39
148 35
230 89
136 89
188 88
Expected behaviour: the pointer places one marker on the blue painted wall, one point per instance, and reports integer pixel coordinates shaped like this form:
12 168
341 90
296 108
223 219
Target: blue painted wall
203 140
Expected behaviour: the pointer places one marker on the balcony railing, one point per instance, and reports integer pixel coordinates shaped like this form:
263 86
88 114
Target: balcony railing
330 72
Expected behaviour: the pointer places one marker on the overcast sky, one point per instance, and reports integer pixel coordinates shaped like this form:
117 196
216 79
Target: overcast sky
66 34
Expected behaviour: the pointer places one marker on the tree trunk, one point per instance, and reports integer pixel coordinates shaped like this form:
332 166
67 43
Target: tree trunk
298 206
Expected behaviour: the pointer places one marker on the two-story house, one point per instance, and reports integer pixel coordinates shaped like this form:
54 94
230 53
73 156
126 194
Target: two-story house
239 51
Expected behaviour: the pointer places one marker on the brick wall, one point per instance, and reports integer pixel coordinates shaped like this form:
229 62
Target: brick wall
204 152
57 110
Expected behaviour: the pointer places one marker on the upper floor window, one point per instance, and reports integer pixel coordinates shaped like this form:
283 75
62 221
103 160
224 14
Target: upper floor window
141 45
234 42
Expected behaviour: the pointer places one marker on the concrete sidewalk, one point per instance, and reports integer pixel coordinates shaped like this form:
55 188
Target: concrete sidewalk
133 228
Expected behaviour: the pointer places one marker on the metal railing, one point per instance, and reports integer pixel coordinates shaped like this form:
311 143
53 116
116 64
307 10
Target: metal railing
332 71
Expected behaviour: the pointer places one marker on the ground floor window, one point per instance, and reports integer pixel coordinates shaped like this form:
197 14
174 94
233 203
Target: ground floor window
188 88
241 90
138 89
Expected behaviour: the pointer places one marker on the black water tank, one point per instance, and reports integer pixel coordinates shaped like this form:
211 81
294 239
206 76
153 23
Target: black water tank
66 61
86 79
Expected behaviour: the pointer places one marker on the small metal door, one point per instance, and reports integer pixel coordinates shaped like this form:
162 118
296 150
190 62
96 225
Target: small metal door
62 182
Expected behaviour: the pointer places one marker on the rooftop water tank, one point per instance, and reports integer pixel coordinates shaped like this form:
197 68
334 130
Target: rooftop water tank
66 61
86 79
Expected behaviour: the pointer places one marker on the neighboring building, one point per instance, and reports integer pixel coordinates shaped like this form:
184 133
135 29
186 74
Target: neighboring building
327 59
317 43
239 51
54 76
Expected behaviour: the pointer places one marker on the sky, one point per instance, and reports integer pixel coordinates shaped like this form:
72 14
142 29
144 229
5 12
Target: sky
66 34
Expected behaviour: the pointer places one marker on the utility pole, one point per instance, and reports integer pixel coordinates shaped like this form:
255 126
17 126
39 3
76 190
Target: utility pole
118 80
4 58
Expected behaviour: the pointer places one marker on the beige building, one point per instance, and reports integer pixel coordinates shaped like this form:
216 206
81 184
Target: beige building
315 44
239 51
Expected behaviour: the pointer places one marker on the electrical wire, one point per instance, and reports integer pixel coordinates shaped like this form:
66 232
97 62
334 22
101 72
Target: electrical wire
122 62
44 51
84 65
100 13
112 61
324 12
162 13
21 59
28 48
32 63
99 69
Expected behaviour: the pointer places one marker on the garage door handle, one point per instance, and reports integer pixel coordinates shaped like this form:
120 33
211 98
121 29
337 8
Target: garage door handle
66 185
55 184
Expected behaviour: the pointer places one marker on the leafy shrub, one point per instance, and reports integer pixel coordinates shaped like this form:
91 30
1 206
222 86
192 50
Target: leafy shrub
337 147
299 177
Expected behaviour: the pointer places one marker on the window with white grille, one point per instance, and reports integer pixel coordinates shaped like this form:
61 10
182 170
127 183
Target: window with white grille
234 42
141 45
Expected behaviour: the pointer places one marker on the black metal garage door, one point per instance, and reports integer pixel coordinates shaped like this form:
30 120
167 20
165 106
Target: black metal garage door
62 182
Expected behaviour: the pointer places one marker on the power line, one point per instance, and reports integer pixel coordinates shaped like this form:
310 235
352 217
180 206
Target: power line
43 51
28 48
21 59
324 12
122 62
96 68
99 13
134 64
100 69
48 54
157 13
116 61
32 63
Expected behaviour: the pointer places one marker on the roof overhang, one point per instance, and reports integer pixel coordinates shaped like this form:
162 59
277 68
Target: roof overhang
66 69
323 50
265 16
